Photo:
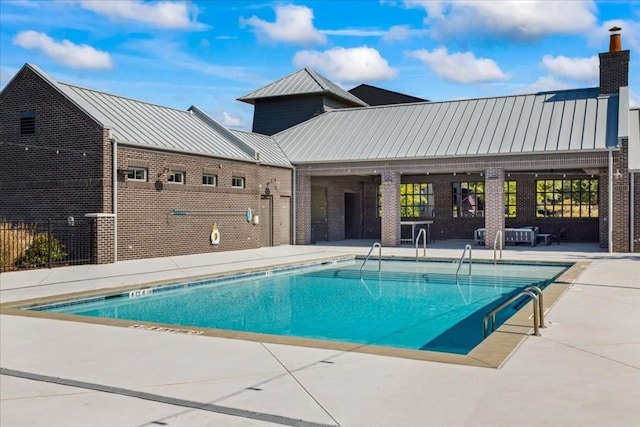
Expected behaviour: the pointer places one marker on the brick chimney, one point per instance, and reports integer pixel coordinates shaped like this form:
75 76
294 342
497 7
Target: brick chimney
614 65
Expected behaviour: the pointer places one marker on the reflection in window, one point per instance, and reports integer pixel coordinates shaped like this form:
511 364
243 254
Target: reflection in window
567 198
468 199
416 200
509 199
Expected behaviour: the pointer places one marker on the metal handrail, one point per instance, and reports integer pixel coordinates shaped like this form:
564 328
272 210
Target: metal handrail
538 292
462 258
492 313
495 243
423 233
379 246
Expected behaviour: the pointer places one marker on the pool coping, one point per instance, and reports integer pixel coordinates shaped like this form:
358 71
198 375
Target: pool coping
493 352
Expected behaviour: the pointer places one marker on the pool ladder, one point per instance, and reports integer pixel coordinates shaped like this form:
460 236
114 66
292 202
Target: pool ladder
375 245
535 293
464 252
495 245
423 233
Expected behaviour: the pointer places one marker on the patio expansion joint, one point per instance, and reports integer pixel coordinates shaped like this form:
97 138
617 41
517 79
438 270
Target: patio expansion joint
583 350
261 416
291 374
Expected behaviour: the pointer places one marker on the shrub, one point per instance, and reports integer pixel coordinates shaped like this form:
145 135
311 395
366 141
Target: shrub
14 241
38 251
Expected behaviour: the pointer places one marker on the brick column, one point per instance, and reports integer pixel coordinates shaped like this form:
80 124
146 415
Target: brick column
390 235
621 205
493 205
102 238
303 209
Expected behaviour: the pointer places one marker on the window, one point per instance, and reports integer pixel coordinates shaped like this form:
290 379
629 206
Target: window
468 199
509 199
136 174
211 180
416 200
237 182
567 198
27 123
176 177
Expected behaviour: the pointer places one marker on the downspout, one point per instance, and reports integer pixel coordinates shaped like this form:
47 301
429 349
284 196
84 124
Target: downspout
114 202
610 189
294 198
632 213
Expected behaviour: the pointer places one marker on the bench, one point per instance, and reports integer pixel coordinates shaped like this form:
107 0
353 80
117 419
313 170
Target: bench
511 235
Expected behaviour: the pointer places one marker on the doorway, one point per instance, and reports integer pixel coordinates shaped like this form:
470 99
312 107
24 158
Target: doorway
352 217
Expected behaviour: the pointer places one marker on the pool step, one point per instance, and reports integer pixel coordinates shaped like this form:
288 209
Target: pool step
432 278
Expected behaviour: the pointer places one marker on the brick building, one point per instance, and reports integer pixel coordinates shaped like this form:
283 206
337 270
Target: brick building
154 180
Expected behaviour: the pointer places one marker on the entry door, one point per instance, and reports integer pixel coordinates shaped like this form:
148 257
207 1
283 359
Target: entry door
266 224
285 220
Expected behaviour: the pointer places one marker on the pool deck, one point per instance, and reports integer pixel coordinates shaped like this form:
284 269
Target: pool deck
584 370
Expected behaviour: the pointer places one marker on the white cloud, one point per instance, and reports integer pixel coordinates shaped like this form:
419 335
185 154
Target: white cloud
65 52
347 65
230 121
459 67
583 69
544 84
516 19
293 25
163 14
354 32
402 32
630 34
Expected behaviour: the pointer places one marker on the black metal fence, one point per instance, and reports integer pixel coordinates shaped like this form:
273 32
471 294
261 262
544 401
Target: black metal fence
44 244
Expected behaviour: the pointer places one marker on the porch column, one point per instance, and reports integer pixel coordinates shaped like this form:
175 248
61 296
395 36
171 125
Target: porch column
390 235
102 237
493 205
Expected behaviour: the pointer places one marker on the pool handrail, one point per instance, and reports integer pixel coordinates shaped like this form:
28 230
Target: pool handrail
464 252
379 246
423 233
492 314
536 290
495 244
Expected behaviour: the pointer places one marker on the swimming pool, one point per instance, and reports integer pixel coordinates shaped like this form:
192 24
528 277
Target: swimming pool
406 305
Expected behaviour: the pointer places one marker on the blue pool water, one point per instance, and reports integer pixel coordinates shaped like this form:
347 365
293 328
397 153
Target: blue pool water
406 305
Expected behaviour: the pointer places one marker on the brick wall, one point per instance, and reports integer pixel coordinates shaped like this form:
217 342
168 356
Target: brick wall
146 227
102 238
57 171
621 206
390 235
494 205
614 71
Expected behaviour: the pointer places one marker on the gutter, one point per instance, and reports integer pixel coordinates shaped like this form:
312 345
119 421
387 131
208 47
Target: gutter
610 207
294 199
114 202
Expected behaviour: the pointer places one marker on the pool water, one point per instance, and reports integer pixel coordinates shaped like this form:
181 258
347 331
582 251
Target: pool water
407 304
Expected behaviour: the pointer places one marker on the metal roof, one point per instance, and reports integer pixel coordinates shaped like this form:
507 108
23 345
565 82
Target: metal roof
270 152
302 82
148 125
571 120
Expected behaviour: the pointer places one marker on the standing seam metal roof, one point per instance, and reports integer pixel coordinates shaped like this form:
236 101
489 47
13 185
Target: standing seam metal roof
270 152
144 124
544 122
302 82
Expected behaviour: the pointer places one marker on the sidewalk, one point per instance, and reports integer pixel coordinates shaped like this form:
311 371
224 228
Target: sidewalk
583 371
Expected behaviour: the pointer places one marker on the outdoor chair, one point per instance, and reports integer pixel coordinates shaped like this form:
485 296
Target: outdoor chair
559 235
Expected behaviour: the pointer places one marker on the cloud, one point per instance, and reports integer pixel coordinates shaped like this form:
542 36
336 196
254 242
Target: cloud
402 32
162 14
583 69
517 20
230 121
66 52
544 84
354 32
459 67
347 65
293 25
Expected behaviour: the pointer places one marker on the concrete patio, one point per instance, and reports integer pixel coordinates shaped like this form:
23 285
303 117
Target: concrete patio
583 371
